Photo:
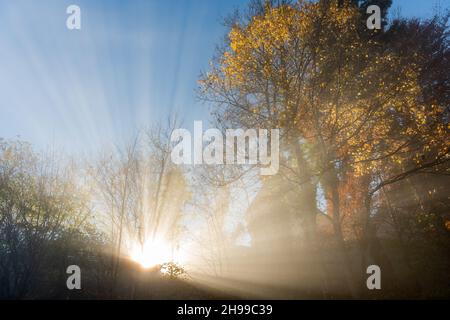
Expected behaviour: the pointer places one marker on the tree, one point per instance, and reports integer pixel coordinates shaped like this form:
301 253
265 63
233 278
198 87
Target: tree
42 206
348 105
142 194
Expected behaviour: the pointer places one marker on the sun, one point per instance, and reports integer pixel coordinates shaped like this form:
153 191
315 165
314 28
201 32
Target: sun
152 253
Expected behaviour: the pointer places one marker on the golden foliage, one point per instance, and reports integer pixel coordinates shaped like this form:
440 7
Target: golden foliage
305 67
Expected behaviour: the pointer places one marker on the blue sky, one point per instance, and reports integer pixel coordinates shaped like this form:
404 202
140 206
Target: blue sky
131 64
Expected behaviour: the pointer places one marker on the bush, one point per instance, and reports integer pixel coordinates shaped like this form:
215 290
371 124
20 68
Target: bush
173 271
